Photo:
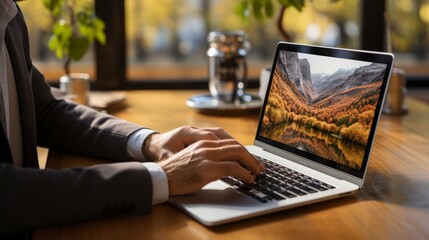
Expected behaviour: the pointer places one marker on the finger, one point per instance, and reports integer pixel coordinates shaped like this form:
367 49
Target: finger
192 135
219 132
235 170
217 170
225 145
224 135
229 150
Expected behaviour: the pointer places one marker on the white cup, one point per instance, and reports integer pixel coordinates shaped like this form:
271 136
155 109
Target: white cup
264 78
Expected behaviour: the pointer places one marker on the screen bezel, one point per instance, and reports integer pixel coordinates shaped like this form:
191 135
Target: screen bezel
368 56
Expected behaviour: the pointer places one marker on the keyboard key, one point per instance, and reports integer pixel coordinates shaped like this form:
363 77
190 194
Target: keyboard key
297 191
272 195
317 186
307 189
287 194
230 181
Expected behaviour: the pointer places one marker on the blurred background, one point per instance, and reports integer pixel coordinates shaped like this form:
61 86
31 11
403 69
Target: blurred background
166 40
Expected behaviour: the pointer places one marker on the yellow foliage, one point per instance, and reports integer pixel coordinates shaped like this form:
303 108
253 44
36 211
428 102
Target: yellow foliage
365 118
276 112
265 121
356 133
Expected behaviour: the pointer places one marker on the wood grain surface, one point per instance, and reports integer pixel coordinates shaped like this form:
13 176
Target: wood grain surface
393 204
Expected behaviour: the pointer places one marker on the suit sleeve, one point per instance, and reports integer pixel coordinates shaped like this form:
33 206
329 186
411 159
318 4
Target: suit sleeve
68 127
32 198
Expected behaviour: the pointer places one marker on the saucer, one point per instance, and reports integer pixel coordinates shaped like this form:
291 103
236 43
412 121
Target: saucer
208 103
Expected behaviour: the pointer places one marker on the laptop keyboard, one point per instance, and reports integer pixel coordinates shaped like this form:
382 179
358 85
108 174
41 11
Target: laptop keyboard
278 183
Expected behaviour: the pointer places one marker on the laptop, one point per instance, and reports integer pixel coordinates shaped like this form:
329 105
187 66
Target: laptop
315 133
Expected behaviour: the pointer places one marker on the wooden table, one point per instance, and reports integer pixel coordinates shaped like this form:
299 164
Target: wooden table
393 204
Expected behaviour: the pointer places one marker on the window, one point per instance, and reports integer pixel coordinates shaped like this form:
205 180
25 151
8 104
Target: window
409 27
166 39
169 34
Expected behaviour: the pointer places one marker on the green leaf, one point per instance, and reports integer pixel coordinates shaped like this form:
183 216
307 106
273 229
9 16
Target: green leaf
78 47
87 32
54 45
242 9
60 40
299 4
82 18
269 8
286 3
257 9
62 29
99 31
54 6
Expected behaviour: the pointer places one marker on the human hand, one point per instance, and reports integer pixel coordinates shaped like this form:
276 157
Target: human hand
161 146
208 160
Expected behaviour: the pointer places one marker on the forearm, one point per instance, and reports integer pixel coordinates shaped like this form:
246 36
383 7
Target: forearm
67 127
31 198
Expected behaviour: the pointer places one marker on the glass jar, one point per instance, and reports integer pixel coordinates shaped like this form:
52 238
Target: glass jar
227 65
76 87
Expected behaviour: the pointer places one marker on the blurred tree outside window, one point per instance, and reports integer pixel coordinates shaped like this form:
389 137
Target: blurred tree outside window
166 39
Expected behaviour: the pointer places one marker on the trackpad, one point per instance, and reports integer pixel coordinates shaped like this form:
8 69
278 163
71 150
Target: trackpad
218 203
217 193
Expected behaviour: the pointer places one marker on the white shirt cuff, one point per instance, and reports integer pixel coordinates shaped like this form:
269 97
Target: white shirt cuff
157 174
135 143
159 183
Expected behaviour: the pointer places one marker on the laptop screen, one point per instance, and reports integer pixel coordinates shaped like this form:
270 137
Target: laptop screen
323 104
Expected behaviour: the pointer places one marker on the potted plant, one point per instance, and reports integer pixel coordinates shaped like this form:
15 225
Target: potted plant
75 28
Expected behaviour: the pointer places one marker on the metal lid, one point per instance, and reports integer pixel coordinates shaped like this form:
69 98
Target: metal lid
229 42
227 37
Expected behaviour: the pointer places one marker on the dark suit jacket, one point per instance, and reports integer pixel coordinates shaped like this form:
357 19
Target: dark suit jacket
30 197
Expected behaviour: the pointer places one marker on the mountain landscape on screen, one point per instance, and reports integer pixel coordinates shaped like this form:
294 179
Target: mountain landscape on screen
328 114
